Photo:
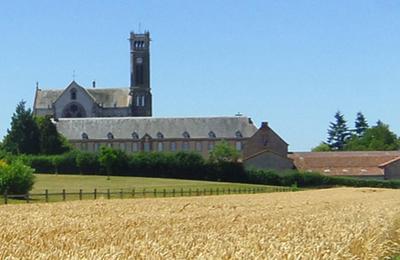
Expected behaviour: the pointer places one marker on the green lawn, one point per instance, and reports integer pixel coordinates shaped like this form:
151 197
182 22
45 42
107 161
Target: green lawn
73 183
93 187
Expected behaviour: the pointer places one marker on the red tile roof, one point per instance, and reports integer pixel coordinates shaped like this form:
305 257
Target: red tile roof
344 163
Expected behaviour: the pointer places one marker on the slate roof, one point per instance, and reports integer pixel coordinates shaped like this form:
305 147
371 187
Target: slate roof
107 97
123 127
344 163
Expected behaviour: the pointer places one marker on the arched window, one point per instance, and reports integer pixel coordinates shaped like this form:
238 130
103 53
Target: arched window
110 136
73 94
211 134
238 134
135 136
186 135
85 136
160 135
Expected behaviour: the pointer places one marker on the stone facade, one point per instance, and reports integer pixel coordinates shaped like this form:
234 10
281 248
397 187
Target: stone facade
197 134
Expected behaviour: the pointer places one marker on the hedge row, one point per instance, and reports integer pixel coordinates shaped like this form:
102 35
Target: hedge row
164 165
300 179
185 166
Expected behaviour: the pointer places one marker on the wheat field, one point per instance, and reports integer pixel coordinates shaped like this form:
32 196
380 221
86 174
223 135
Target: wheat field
342 223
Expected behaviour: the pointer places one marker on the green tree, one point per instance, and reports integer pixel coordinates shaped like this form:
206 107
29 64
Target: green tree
338 132
24 135
85 161
322 147
51 142
361 124
376 138
224 152
108 159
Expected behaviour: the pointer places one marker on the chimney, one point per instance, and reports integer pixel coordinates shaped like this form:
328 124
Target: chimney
264 125
94 84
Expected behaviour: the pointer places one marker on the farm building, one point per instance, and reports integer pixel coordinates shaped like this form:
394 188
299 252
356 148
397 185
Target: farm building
375 164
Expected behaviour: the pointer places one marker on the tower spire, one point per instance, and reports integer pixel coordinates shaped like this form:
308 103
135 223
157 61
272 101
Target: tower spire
140 74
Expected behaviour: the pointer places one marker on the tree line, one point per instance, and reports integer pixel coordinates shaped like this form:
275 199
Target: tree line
362 137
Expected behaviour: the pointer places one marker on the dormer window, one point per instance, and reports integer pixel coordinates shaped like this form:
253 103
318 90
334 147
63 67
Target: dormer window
110 136
160 135
186 135
135 136
238 134
85 136
211 134
73 94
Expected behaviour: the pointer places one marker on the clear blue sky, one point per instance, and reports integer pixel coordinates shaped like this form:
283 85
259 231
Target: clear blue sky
291 63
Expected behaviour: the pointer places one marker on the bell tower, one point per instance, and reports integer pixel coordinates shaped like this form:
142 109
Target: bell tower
140 74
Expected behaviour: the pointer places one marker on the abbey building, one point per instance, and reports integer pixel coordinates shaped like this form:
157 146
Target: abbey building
76 101
122 118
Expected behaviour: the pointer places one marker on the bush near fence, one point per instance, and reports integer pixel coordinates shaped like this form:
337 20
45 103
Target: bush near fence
15 178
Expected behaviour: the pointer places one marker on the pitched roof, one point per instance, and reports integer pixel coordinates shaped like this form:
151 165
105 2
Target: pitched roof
343 163
123 127
107 97
110 97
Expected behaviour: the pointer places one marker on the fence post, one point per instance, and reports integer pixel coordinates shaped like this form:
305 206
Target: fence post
204 192
27 197
63 194
121 194
211 191
80 194
5 197
144 192
46 195
190 191
155 192
108 194
181 192
164 193
95 194
223 190
133 192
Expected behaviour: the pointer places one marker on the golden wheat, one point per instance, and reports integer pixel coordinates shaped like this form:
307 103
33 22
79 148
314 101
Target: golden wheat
337 223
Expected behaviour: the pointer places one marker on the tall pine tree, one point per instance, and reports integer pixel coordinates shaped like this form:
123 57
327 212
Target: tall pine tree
361 124
24 135
338 132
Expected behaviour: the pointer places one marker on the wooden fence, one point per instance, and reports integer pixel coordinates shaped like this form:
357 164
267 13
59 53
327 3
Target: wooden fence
132 193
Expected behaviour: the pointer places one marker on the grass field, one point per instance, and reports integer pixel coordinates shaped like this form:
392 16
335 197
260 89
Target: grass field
81 187
72 183
341 223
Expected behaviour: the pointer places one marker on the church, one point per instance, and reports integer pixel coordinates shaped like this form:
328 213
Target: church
122 118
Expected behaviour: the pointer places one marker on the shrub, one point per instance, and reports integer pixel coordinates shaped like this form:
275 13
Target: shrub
16 178
87 162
